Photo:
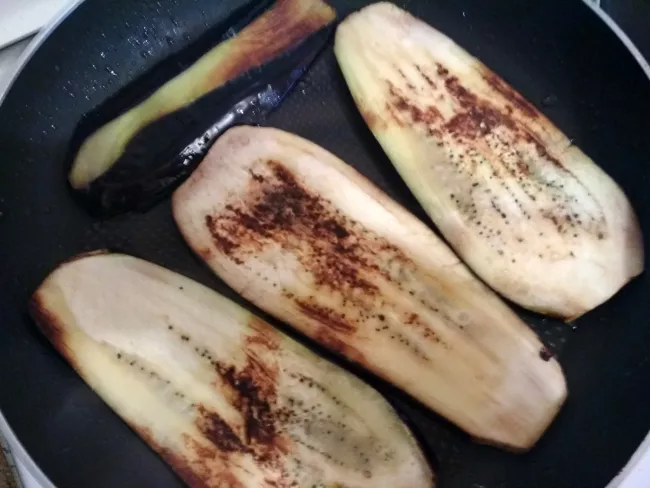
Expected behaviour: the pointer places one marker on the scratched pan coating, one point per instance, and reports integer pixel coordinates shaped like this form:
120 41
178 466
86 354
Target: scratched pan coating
558 54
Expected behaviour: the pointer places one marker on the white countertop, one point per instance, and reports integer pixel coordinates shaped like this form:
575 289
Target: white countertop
20 19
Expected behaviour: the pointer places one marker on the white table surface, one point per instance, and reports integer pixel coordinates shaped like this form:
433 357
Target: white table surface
20 19
24 17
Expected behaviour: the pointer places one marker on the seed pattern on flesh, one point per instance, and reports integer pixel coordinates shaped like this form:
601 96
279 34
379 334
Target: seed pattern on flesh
369 285
311 416
499 173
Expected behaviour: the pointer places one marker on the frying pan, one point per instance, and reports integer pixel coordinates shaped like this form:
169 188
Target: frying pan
558 54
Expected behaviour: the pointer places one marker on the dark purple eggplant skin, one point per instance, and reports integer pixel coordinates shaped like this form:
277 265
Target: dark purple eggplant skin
165 152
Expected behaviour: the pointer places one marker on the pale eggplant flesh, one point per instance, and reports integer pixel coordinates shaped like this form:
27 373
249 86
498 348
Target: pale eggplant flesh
226 399
140 144
306 238
526 209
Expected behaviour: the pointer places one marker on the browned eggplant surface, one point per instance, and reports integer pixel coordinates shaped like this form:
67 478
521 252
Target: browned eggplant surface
308 239
227 400
526 209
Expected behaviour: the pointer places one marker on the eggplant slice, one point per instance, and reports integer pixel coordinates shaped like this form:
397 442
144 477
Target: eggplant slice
308 239
527 210
139 157
223 397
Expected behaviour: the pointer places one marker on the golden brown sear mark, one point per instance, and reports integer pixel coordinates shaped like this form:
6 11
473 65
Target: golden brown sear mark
336 321
51 327
405 111
337 251
197 472
277 209
253 391
482 117
426 77
325 337
219 432
264 336
220 240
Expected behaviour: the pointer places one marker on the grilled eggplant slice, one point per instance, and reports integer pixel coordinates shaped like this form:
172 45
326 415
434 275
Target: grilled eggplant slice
529 212
223 397
308 239
139 157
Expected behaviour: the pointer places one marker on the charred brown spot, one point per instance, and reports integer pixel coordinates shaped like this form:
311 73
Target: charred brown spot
496 136
251 390
51 327
219 432
229 480
480 117
208 467
332 226
222 242
264 335
441 70
327 316
523 168
373 121
280 210
326 338
402 107
473 123
497 83
546 354
253 393
257 177
195 472
338 253
205 253
426 77
464 97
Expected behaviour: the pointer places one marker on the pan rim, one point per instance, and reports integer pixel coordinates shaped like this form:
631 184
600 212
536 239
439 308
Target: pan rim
21 455
20 452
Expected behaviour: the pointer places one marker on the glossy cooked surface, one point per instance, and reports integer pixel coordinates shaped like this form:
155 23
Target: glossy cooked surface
530 44
525 208
306 238
223 397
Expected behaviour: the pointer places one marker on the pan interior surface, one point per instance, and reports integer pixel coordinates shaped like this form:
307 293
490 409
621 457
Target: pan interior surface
558 54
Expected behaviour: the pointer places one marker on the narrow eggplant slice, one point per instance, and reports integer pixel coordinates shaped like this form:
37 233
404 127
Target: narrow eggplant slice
223 397
139 157
305 237
529 212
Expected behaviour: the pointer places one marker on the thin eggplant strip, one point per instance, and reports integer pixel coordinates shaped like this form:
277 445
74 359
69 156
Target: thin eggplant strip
528 211
223 397
137 158
306 238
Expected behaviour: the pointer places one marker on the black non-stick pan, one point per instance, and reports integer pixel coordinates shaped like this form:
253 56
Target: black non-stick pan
557 53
